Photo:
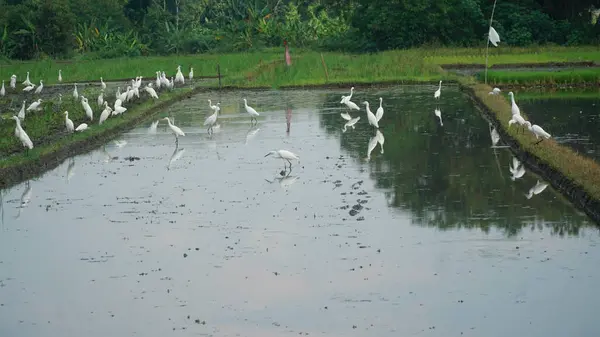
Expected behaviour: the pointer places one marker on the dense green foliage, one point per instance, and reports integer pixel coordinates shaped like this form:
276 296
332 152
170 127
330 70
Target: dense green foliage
115 28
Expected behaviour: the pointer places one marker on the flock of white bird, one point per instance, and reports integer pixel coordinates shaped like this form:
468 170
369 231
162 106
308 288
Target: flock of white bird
129 95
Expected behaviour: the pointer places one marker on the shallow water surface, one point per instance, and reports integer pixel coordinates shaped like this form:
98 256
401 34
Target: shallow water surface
427 234
572 121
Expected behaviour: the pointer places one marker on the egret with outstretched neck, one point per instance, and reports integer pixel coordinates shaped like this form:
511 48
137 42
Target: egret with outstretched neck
176 131
285 155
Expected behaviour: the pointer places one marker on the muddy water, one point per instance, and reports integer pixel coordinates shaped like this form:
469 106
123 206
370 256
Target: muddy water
573 121
431 237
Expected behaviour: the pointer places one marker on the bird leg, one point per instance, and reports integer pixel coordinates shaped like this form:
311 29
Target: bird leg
539 141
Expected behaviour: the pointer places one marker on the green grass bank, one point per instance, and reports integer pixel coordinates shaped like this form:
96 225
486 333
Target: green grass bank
562 77
576 176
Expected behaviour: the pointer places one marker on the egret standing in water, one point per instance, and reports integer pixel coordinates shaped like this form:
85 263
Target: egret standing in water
250 110
438 92
379 112
370 116
176 131
211 120
285 155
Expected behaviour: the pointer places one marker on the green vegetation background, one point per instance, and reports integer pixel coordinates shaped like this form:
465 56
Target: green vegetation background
91 29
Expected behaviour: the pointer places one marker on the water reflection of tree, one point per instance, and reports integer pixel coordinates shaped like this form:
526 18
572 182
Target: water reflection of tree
448 177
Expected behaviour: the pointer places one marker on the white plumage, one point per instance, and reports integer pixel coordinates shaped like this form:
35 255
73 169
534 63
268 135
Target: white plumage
370 116
250 110
69 123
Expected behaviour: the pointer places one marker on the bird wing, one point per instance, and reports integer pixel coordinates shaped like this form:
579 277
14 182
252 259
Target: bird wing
345 116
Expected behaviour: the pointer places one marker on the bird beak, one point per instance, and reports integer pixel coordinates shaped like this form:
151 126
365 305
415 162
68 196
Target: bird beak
267 154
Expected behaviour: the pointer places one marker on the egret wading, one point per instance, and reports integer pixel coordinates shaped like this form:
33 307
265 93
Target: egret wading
285 155
250 110
176 131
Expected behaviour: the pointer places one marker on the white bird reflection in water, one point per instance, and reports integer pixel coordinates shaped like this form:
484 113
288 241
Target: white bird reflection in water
350 123
153 127
494 136
70 169
285 181
371 146
1 209
380 139
536 189
107 156
438 113
517 169
175 156
120 143
251 134
25 199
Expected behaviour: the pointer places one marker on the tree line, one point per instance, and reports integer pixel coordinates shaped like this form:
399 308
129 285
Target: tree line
32 29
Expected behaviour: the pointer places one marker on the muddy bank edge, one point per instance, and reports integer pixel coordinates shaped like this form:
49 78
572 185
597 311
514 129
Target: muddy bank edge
19 172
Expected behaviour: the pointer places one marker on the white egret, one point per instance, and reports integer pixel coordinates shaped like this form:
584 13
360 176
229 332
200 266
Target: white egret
438 113
151 91
214 107
285 155
69 123
347 98
102 84
39 88
351 105
536 189
119 110
100 100
250 110
370 116
438 92
351 123
75 93
35 105
22 135
59 75
13 81
379 112
179 76
514 107
82 127
518 119
29 87
176 130
21 113
538 132
88 109
494 37
211 120
495 91
105 113
158 78
346 116
2 90
191 75
27 81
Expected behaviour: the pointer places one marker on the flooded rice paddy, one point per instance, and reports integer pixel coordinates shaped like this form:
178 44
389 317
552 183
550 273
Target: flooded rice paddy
420 230
575 119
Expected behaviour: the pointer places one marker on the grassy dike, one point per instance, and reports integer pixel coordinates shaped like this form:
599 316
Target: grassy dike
575 176
46 156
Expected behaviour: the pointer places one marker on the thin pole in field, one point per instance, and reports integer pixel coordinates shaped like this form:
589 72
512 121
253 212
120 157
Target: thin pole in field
325 67
487 46
219 73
